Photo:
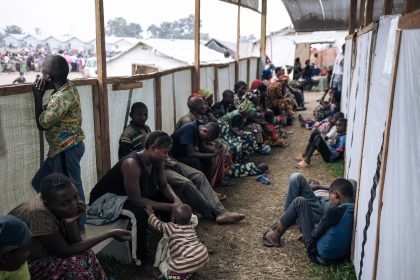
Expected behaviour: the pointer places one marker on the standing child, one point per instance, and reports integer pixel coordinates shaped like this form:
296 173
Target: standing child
61 118
187 253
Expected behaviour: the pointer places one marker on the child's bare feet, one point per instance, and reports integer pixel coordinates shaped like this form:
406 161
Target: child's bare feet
302 164
229 217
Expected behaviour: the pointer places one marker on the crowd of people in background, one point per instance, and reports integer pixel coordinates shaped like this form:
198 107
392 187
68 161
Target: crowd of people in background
164 179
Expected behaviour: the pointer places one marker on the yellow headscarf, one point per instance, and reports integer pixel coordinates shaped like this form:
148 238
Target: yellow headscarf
205 93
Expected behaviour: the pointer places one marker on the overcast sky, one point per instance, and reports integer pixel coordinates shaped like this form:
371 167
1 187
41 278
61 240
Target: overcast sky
77 17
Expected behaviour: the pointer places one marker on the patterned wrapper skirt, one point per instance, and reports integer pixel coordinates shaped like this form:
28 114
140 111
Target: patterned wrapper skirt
82 266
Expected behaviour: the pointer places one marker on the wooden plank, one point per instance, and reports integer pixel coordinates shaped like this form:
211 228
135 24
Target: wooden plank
410 21
216 85
365 29
196 71
263 40
142 77
158 103
97 131
351 36
368 13
102 87
238 32
382 172
409 6
126 86
248 74
362 13
352 16
372 50
387 7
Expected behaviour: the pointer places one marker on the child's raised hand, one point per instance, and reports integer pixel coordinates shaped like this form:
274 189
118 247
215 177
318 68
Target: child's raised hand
149 210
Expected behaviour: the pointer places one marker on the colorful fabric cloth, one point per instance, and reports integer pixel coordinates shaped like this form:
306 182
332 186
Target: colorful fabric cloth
255 84
21 274
187 253
62 119
246 107
172 275
82 266
244 169
132 139
339 145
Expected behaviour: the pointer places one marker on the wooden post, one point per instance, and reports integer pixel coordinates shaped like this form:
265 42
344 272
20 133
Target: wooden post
372 51
196 70
368 13
216 85
102 86
238 38
263 40
158 103
408 6
362 13
352 17
97 131
388 7
382 172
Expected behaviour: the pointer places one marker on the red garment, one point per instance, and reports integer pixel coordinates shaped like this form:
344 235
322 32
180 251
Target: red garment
255 84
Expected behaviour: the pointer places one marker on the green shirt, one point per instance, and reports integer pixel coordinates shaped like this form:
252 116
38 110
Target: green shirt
21 274
62 119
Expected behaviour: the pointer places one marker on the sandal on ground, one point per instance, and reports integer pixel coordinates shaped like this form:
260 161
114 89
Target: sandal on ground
266 242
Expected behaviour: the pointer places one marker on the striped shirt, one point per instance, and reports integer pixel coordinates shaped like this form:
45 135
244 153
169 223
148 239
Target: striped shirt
132 139
187 253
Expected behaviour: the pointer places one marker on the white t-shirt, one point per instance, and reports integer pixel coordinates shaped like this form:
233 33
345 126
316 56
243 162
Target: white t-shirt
338 65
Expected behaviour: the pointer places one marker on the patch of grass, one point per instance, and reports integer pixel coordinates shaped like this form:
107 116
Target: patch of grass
340 272
335 169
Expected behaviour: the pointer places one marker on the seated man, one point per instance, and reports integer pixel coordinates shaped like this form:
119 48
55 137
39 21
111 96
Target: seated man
330 240
188 183
189 145
330 153
197 107
225 106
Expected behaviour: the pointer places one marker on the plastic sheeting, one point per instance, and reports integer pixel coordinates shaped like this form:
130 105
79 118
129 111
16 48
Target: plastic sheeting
223 77
375 125
243 69
253 69
399 254
231 76
168 104
250 4
345 91
357 106
21 162
207 78
182 91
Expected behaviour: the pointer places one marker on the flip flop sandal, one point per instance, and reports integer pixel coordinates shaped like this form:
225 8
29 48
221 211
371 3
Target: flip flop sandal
266 242
221 196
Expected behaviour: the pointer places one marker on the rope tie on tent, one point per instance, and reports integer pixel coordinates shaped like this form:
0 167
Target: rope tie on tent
370 206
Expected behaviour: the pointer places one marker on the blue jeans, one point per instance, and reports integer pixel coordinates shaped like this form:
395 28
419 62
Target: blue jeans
67 163
299 187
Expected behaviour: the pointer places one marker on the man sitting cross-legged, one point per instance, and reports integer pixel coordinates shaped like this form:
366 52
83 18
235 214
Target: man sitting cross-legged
326 225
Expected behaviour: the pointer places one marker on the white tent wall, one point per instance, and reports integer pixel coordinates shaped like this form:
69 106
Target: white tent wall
399 254
253 70
182 91
375 125
168 112
243 65
231 76
146 94
346 76
21 161
357 106
223 77
280 50
207 78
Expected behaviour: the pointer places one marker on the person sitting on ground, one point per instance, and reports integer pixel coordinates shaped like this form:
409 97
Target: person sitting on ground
325 109
140 176
20 80
225 106
57 248
61 119
271 137
188 183
330 153
207 96
190 146
197 107
326 224
15 239
186 253
331 135
279 74
240 89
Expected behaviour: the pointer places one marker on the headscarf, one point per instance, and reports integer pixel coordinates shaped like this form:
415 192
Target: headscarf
251 95
266 74
255 84
13 233
246 107
205 93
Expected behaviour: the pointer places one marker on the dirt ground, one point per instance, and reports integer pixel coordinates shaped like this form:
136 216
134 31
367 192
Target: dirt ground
237 251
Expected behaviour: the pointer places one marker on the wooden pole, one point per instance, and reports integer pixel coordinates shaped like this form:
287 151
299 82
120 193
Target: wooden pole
216 85
372 51
362 13
369 13
408 6
352 16
102 85
382 172
388 7
97 131
158 103
263 40
238 37
196 70
248 70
